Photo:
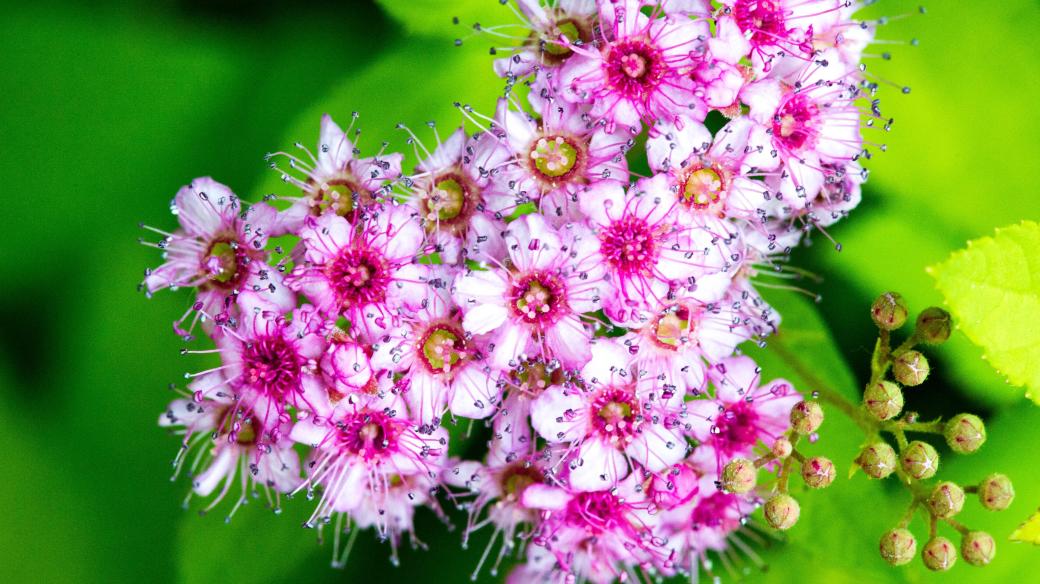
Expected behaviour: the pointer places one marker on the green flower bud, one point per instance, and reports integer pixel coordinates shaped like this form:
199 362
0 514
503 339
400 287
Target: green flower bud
898 546
911 368
818 472
933 325
884 400
878 460
964 433
806 417
739 476
939 554
978 548
782 448
889 311
782 511
946 500
920 460
996 492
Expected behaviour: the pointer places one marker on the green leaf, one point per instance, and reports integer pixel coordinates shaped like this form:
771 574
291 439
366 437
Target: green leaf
993 291
436 17
1029 531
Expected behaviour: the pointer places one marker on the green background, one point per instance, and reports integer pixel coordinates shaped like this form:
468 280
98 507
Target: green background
106 110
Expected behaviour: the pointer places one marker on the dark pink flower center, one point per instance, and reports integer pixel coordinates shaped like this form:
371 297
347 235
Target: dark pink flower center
617 415
368 435
764 19
634 67
736 428
795 125
629 245
539 298
359 277
272 366
713 510
599 510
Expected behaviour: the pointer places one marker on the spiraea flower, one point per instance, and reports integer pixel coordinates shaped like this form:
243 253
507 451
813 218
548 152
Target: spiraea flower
565 283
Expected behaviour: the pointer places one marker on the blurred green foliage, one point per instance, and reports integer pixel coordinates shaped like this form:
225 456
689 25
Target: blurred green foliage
108 109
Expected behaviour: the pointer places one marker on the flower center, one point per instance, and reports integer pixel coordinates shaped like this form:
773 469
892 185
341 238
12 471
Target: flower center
598 510
359 277
366 434
339 195
270 365
634 67
447 199
795 124
702 188
516 478
629 245
673 329
555 156
736 428
442 348
617 415
764 19
533 377
222 262
539 298
565 28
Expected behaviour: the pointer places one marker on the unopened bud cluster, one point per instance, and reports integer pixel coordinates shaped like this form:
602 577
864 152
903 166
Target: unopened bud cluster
917 460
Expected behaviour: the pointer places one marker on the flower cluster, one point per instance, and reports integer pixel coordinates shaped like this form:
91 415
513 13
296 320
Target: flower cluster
588 311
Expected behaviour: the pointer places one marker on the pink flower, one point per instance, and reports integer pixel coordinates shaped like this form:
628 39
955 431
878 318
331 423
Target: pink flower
219 250
440 364
647 247
618 419
534 304
640 70
335 181
372 465
558 156
543 46
741 413
364 270
270 363
222 447
462 216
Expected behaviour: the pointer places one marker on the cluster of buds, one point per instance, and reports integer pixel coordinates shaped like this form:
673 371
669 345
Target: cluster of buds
917 461
914 462
522 276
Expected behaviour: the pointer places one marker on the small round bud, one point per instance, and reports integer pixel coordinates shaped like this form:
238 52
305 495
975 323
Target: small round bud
898 546
996 492
878 460
978 548
818 472
933 325
939 554
964 433
920 460
806 417
884 400
782 512
946 500
911 368
782 448
739 476
889 311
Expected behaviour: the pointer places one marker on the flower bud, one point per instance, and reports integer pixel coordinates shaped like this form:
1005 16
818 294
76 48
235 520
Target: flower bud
964 433
920 460
946 500
889 311
818 472
978 548
939 554
898 546
911 368
782 511
782 448
933 325
878 460
739 476
884 400
996 492
806 417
